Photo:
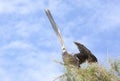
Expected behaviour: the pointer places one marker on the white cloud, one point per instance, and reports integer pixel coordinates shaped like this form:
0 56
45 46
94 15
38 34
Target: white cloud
28 66
29 6
4 76
59 8
25 29
110 17
4 8
99 15
20 6
17 45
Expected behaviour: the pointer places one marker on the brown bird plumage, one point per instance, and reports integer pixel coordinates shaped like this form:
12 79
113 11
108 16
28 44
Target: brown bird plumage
78 58
69 59
84 55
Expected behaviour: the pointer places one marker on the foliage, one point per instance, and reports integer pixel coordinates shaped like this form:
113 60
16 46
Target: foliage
92 72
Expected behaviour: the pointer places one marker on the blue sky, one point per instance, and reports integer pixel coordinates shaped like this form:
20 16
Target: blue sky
28 44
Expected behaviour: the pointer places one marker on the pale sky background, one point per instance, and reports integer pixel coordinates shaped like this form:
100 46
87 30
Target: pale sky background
28 44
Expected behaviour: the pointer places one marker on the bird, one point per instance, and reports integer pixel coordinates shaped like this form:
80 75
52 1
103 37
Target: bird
72 59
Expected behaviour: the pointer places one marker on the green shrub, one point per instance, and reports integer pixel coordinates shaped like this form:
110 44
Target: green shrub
91 72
